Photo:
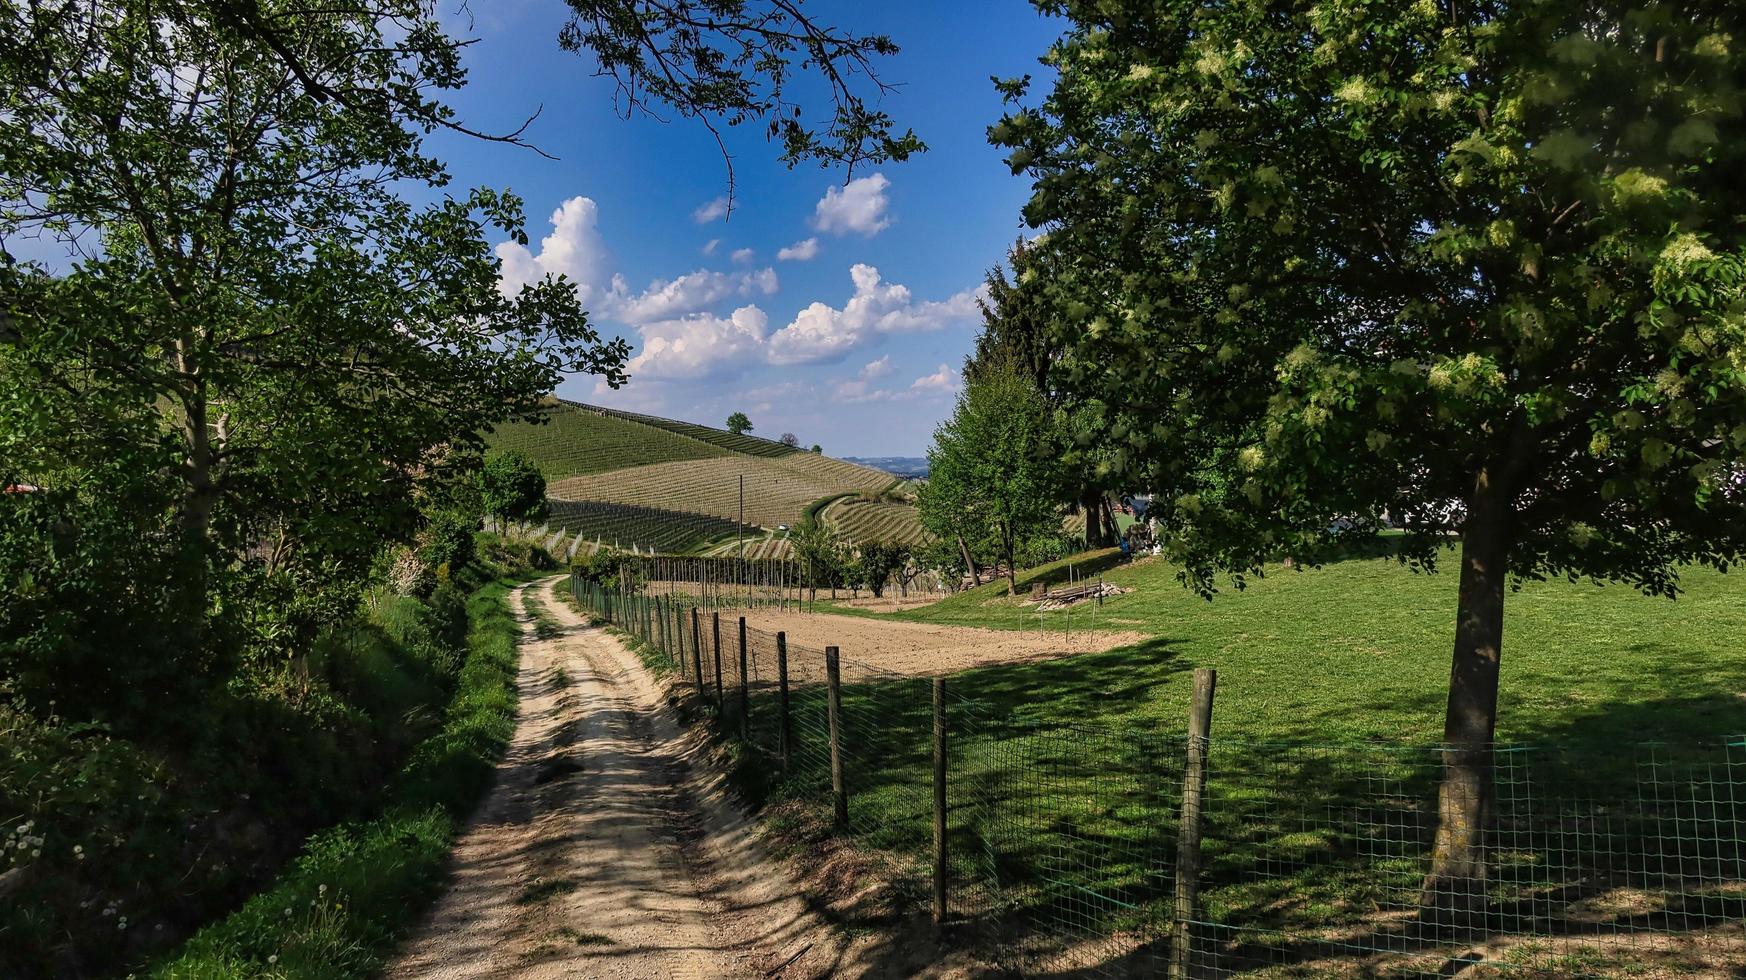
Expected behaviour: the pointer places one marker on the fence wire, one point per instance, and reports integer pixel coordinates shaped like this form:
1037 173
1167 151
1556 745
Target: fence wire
1315 860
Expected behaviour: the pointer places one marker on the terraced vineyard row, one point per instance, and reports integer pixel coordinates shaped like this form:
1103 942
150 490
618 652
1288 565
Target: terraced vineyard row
769 544
576 440
777 490
864 520
666 531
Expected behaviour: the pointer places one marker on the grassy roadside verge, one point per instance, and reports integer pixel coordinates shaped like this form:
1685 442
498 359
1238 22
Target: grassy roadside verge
339 909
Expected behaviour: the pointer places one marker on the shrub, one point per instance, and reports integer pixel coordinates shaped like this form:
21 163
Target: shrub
448 540
609 569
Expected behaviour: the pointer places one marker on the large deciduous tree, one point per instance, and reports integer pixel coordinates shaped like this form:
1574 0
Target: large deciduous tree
1477 267
1017 331
994 470
252 275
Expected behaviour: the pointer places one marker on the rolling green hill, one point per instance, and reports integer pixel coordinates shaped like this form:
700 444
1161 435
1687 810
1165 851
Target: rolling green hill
576 440
676 486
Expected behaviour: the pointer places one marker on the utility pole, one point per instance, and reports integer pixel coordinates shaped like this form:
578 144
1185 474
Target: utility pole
742 525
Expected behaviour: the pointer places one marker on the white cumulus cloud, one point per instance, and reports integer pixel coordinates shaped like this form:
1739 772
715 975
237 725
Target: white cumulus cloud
574 250
944 379
821 332
858 206
742 255
877 369
700 346
711 211
690 293
709 246
802 251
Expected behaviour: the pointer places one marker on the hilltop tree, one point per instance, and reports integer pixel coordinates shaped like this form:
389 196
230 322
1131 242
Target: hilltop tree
511 487
817 449
739 424
790 440
994 470
1478 267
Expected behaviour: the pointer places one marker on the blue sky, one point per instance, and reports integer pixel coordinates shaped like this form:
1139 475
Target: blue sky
837 309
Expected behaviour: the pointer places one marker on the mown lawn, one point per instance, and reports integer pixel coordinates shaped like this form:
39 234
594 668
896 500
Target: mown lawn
1331 685
1360 650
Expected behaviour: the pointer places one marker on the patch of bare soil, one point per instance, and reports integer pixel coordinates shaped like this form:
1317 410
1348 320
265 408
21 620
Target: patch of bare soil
921 649
609 847
893 602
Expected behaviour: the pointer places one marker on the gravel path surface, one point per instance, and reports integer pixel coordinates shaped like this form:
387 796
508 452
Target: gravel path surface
575 864
610 847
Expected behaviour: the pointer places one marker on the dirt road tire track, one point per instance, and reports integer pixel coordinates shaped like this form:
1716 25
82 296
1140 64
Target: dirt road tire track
574 864
610 847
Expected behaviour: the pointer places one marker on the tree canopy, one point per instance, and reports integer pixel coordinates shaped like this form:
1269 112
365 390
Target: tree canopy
1476 269
993 470
511 487
739 424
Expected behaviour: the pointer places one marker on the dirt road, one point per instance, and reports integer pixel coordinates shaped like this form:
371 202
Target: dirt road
919 649
608 848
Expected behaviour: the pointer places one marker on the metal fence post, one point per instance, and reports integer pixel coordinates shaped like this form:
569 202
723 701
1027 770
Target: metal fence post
783 737
834 706
745 696
939 800
1188 833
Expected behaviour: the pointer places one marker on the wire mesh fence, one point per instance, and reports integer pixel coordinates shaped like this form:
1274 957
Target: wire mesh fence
1066 843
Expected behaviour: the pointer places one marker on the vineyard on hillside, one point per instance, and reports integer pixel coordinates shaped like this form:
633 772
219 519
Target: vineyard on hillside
866 519
747 445
642 528
777 490
767 544
575 441
674 486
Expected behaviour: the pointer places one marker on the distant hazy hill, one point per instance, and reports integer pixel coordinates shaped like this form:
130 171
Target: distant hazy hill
643 481
907 467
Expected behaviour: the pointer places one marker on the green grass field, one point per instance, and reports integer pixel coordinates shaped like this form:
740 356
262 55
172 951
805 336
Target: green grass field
1331 685
1360 650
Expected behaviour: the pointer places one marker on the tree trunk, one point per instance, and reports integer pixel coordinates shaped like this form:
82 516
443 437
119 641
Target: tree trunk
970 562
1091 505
1011 563
1454 892
1111 528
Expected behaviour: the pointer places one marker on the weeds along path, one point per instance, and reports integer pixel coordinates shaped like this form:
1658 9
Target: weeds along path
576 865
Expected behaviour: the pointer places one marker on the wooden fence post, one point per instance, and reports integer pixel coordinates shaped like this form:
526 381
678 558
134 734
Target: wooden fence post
661 626
715 642
939 800
697 649
834 706
1188 833
745 697
782 730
